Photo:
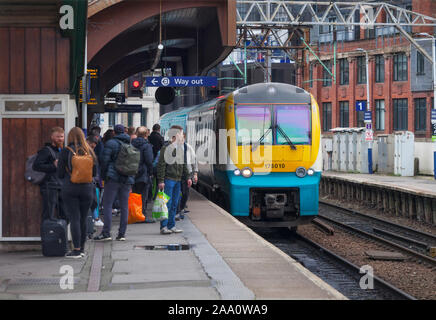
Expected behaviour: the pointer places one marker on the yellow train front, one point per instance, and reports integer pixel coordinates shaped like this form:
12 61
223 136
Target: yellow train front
259 152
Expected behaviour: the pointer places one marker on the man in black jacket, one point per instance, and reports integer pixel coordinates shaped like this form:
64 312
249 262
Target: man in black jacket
156 140
142 179
47 161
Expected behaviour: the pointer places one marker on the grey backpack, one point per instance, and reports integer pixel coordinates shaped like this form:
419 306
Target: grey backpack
36 177
127 162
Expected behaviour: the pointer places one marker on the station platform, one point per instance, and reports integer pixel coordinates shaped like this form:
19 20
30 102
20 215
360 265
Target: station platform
419 185
223 259
412 198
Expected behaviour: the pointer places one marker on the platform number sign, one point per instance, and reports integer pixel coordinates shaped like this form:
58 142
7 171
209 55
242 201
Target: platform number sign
360 105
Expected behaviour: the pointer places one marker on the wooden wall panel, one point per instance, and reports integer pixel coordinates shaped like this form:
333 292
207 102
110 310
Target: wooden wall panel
22 203
17 61
33 195
62 64
6 177
4 60
17 209
33 60
48 60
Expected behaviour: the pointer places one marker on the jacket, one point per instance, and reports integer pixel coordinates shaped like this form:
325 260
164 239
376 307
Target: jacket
157 141
146 161
110 154
64 166
176 169
44 162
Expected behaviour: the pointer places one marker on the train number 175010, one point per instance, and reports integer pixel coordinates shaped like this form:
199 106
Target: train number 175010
274 166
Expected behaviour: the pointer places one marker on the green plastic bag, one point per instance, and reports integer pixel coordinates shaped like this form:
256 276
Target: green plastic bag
160 210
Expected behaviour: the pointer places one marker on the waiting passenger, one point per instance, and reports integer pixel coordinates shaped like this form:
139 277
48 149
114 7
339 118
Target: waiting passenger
77 196
191 161
47 161
115 185
169 177
143 180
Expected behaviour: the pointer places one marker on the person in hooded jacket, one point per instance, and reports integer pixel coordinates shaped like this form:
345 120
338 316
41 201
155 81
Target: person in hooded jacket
142 179
115 185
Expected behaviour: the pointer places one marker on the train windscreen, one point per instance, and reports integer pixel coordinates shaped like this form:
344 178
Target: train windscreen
295 122
273 124
253 121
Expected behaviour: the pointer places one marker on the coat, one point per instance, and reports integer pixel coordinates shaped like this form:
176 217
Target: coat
146 161
110 154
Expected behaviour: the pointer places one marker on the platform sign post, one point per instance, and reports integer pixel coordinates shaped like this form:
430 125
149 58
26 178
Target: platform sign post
433 136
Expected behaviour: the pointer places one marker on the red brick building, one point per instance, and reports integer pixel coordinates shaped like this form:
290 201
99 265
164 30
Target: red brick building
400 78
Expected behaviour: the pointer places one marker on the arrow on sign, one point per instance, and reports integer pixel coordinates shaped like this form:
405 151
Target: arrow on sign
154 81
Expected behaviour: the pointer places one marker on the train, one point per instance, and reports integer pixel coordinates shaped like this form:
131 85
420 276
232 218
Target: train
259 152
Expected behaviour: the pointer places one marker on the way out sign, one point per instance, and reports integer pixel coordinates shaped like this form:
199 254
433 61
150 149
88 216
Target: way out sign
181 81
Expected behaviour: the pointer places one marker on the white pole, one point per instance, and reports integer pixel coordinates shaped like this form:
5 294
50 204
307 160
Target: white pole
434 100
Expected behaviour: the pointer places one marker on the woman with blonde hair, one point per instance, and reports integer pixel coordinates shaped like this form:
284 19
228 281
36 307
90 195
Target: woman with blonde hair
77 196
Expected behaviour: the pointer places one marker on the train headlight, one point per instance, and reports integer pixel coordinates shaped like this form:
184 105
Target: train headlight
237 172
310 172
247 172
300 172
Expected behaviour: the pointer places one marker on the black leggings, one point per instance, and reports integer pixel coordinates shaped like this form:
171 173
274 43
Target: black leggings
77 201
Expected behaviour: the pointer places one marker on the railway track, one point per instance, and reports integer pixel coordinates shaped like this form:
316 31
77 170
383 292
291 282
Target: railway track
411 242
341 274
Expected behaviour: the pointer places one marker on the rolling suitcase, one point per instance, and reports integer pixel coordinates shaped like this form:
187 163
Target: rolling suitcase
90 224
54 233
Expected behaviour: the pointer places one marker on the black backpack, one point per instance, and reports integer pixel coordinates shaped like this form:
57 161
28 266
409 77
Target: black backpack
127 162
33 176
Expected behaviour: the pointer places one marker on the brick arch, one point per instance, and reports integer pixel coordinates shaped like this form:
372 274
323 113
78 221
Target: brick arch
112 19
95 6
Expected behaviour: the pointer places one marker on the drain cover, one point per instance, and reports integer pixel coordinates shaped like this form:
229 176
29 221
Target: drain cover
171 247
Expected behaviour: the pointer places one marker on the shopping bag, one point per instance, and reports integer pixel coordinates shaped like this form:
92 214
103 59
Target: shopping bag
135 209
160 210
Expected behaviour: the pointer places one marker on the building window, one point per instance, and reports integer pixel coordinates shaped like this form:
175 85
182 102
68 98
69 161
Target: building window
112 116
311 75
380 115
420 114
327 78
360 117
344 71
326 116
420 63
361 70
343 113
379 68
400 114
130 119
144 117
400 67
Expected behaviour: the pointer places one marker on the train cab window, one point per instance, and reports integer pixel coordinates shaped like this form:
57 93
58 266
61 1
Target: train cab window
295 121
279 123
253 121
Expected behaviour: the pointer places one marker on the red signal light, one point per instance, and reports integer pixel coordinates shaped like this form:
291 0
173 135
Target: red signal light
136 84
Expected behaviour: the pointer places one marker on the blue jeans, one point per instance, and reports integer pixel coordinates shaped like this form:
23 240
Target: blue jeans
172 189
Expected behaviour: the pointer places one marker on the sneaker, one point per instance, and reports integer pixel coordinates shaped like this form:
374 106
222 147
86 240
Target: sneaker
120 238
178 217
175 230
165 230
98 223
74 254
152 220
103 237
